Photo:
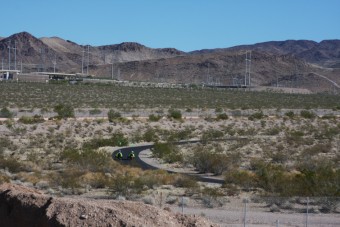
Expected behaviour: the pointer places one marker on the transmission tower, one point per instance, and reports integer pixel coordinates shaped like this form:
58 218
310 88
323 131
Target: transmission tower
9 55
88 59
15 55
82 61
247 79
54 63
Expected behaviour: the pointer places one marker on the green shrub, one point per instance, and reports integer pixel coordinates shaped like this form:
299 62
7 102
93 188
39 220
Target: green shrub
307 114
88 160
242 178
272 131
186 182
150 135
117 139
6 113
180 135
290 114
167 152
31 120
125 185
64 111
219 110
113 115
11 164
316 149
205 160
222 116
153 117
95 111
175 114
258 115
211 134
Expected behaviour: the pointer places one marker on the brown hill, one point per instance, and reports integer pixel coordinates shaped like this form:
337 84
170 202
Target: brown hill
40 54
21 206
326 53
292 63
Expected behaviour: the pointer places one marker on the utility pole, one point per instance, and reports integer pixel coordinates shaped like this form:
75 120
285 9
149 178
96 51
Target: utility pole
54 63
15 55
248 65
112 70
82 61
88 59
9 55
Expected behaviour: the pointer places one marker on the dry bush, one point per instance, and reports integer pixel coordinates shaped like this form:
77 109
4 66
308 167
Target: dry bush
4 178
95 179
11 164
32 177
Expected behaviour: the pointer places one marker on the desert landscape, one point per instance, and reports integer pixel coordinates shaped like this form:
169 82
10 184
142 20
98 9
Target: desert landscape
277 159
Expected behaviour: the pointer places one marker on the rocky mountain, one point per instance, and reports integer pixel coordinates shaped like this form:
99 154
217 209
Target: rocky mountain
326 53
292 63
41 54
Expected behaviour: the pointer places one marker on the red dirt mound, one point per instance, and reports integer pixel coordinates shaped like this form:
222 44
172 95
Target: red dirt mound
22 206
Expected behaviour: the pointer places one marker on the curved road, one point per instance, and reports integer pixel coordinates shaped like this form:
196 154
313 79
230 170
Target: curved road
143 165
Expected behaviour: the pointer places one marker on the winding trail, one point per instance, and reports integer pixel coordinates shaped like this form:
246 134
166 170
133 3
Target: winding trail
138 161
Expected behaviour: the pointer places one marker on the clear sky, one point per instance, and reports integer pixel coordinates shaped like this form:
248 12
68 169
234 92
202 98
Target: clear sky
183 24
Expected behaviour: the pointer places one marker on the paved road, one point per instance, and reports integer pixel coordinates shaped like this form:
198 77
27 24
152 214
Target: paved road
143 165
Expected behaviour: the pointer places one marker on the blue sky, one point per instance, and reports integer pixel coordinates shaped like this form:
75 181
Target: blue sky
183 24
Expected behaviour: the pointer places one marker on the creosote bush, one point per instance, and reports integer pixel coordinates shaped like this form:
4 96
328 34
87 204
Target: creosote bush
175 114
257 115
113 115
95 111
204 159
31 120
6 113
222 116
153 117
117 139
167 151
64 111
307 114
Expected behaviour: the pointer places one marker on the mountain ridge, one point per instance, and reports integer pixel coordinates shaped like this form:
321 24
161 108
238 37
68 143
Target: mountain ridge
272 61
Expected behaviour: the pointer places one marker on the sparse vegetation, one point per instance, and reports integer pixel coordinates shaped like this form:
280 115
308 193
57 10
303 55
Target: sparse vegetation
283 153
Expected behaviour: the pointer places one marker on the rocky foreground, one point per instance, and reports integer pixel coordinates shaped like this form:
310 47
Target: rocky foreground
22 206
